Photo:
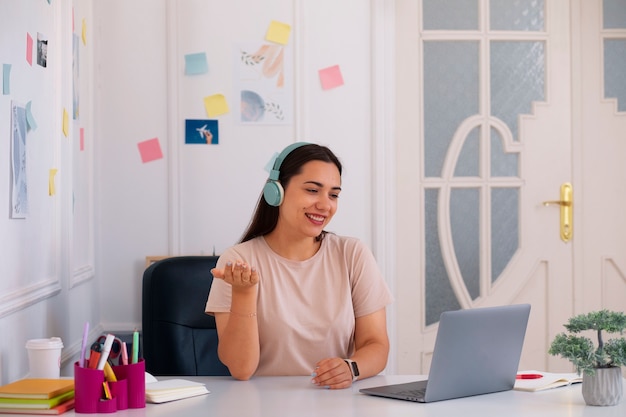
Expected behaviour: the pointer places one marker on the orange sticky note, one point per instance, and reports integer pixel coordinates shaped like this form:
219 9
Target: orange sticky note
331 77
215 105
82 139
150 150
51 175
278 32
29 49
66 123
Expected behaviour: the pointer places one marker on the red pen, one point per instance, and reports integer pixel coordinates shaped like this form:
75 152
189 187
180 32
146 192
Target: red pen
528 376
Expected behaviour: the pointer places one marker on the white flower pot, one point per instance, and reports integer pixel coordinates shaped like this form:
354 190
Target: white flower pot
603 388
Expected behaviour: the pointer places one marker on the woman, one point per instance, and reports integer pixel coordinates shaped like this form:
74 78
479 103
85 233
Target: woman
293 299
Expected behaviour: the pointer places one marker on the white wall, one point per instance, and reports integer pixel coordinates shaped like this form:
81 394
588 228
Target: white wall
46 286
201 197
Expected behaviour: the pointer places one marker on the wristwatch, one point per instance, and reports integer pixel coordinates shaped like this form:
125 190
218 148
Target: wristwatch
353 368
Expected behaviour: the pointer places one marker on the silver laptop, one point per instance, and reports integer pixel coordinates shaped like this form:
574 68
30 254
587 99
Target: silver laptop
477 351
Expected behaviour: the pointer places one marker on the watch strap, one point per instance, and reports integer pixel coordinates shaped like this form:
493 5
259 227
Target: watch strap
354 369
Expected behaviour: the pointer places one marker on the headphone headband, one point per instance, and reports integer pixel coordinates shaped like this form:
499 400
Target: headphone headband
273 192
275 172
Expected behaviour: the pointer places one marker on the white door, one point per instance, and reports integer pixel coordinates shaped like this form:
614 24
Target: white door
485 118
600 128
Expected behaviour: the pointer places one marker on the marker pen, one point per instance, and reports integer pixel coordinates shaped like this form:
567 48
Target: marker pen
83 348
124 354
135 357
106 349
94 357
109 375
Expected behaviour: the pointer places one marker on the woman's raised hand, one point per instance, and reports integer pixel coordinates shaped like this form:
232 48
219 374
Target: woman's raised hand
239 274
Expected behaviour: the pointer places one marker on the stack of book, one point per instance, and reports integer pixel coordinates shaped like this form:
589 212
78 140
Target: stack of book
37 396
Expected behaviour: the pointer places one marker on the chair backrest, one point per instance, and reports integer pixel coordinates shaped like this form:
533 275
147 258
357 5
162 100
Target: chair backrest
179 338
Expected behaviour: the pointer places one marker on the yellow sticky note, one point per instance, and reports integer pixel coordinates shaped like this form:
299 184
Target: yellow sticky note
84 32
51 175
66 123
215 105
278 32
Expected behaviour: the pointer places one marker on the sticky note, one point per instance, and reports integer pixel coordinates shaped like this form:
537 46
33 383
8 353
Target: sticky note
278 32
196 64
215 105
66 123
150 150
6 79
29 49
331 77
30 119
270 164
84 32
51 175
82 139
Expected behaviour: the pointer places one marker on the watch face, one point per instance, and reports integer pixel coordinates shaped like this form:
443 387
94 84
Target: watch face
355 368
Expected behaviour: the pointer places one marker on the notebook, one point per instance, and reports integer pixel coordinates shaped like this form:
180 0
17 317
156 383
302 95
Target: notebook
477 351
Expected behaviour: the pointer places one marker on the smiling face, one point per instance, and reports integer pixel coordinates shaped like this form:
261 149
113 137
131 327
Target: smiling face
310 200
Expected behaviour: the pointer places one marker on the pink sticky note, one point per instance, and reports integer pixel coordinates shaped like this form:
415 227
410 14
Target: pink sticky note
29 49
150 150
82 138
331 77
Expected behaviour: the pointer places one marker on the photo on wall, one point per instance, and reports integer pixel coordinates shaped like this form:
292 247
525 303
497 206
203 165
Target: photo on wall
42 50
19 185
263 84
201 132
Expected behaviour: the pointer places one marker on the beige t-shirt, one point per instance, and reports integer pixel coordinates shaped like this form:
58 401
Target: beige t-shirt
306 309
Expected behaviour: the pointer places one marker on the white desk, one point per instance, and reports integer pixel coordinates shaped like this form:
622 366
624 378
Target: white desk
297 397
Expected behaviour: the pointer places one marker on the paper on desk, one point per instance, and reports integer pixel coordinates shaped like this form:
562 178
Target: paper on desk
173 389
548 381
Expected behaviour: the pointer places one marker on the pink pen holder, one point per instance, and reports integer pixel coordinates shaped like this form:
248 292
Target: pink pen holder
129 391
88 392
135 376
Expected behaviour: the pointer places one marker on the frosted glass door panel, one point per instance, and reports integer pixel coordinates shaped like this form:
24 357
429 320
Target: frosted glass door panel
524 15
517 79
615 71
475 88
614 14
451 83
450 14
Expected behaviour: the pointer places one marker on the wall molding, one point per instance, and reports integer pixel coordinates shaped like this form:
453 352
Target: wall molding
82 274
28 296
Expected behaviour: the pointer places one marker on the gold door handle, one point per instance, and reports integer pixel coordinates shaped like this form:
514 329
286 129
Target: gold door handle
567 211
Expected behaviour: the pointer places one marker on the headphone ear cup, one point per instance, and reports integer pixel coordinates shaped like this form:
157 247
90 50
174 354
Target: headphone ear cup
273 193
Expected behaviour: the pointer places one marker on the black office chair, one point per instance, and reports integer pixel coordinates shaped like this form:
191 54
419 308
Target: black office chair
178 337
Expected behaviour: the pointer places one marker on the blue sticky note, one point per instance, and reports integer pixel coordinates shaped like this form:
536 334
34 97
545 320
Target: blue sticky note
30 119
6 79
196 64
270 164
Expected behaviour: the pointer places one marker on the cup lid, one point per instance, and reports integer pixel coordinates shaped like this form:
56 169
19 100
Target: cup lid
50 343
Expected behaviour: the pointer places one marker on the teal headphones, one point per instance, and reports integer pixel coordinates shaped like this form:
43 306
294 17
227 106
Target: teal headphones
273 192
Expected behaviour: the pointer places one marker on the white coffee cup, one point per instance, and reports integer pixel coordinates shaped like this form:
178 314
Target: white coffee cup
44 357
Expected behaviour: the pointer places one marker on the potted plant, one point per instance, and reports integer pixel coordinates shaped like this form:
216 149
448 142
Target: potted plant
600 364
